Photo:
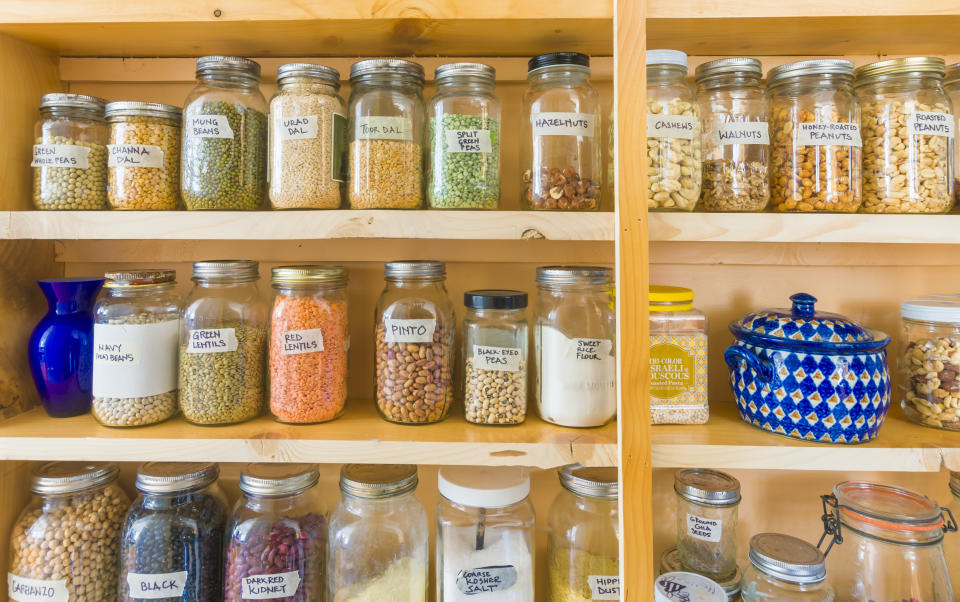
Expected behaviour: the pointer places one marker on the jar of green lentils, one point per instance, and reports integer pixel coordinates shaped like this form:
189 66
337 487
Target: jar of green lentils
143 168
70 153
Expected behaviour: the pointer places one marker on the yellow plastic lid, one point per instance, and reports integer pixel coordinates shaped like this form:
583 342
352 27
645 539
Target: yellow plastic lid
670 298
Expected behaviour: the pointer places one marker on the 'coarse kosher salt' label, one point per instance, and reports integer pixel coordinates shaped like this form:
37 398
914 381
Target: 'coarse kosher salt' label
672 126
208 126
604 587
134 155
268 587
212 340
157 586
751 132
61 155
295 342
21 589
486 579
504 359
930 123
563 124
828 134
410 331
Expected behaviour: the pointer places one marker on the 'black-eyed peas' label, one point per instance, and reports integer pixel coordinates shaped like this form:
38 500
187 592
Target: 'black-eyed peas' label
504 359
672 126
469 141
209 126
135 360
563 124
750 132
296 342
157 586
299 128
375 127
212 340
930 123
409 331
21 589
61 155
134 155
268 587
604 587
706 529
828 134
486 579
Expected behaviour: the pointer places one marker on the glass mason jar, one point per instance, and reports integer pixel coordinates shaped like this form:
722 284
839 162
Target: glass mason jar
573 339
951 545
584 542
678 358
485 535
172 542
707 502
309 340
908 129
308 128
930 362
785 569
670 563
463 137
135 341
276 536
674 165
143 168
223 344
414 333
224 160
78 498
378 537
70 153
736 136
562 135
684 587
495 342
815 158
386 135
951 85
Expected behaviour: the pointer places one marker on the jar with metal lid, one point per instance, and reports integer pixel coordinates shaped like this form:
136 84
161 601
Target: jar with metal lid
686 587
172 541
736 137
951 85
414 333
485 535
65 545
495 343
70 153
386 134
223 343
930 362
309 340
378 537
678 358
707 503
785 569
135 344
463 137
307 134
670 563
276 536
224 160
143 168
815 158
908 136
583 536
574 338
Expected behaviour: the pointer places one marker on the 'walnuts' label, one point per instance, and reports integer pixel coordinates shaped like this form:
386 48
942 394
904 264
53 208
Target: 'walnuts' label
504 359
410 331
375 127
469 141
604 587
299 128
61 155
209 126
212 340
563 124
930 123
706 529
486 579
672 126
134 155
828 134
268 587
21 589
296 342
157 586
751 132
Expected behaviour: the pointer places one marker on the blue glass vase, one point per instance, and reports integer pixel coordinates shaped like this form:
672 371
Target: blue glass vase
61 346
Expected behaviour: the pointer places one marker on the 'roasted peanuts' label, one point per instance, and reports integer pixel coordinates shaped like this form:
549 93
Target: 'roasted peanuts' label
134 155
21 589
410 330
61 155
157 586
504 359
672 126
828 134
296 342
469 141
374 127
208 126
930 123
563 124
212 340
299 128
750 132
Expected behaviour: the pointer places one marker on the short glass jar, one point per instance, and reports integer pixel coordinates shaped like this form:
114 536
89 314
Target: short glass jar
378 537
223 344
736 136
224 160
143 168
463 138
951 85
70 153
574 336
561 135
683 587
815 159
707 503
678 358
670 563
172 541
495 343
78 498
135 345
276 536
930 362
308 129
414 332
485 535
785 569
386 134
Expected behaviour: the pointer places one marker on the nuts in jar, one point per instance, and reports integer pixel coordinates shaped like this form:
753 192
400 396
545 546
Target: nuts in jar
930 361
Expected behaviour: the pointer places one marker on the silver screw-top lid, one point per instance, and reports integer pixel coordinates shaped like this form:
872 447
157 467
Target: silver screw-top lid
175 477
787 558
840 67
738 64
415 268
387 66
224 64
328 75
596 482
707 487
268 480
72 101
70 477
234 270
143 109
478 70
376 481
574 275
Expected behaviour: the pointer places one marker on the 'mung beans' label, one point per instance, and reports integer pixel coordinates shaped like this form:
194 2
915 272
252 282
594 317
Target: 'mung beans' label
209 126
21 589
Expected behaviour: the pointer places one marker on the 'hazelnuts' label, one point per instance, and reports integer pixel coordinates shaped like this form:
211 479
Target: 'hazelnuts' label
504 359
295 342
751 132
706 529
486 579
410 331
21 589
828 134
61 155
930 123
374 127
212 340
268 587
672 126
157 586
209 126
469 141
604 587
134 155
563 124
299 128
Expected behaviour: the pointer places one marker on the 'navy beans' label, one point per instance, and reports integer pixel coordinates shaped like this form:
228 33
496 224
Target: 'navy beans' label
504 359
930 123
209 126
268 587
828 134
469 141
486 579
135 360
706 529
299 128
212 340
604 587
157 586
751 132
21 589
296 342
672 126
61 155
375 127
134 155
563 124
410 331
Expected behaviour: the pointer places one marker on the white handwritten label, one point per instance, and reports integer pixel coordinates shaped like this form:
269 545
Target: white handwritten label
268 587
604 587
61 155
299 128
209 126
505 359
374 127
410 331
828 134
157 586
469 141
750 132
212 340
135 360
672 126
134 155
486 579
21 589
563 124
930 123
593 350
706 529
296 342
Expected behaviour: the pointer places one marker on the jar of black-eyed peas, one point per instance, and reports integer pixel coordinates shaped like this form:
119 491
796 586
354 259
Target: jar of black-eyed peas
143 165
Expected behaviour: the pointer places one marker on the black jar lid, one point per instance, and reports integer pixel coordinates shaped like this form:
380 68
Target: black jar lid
495 299
558 58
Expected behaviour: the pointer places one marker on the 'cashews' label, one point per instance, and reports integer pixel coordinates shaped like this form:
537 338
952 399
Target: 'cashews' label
157 586
707 529
672 126
485 579
209 126
469 141
750 132
563 124
296 342
410 331
374 127
604 587
21 589
828 134
268 587
61 155
212 340
299 128
504 359
930 123
134 155
135 360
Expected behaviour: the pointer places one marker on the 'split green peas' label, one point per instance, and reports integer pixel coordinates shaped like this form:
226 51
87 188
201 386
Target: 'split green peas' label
464 167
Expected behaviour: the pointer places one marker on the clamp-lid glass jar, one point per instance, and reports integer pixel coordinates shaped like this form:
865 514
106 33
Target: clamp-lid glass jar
930 362
951 545
143 168
707 503
678 358
785 569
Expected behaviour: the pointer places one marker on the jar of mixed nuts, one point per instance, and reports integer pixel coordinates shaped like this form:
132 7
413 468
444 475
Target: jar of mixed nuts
135 345
143 168
223 344
951 85
70 153
908 130
308 128
815 158
561 135
386 134
707 502
224 160
930 362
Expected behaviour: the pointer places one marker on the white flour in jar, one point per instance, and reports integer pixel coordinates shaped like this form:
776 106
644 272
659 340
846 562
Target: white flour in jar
577 379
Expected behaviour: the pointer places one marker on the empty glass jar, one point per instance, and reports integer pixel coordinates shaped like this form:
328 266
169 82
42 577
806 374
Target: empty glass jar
785 569
707 502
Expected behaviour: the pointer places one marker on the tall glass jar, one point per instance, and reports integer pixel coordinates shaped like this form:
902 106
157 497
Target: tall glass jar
378 537
562 135
309 340
135 344
785 569
951 85
736 136
908 136
495 343
674 159
584 541
81 499
574 340
678 358
930 362
414 333
143 168
172 542
308 129
223 344
485 535
815 158
70 153
386 135
224 160
707 502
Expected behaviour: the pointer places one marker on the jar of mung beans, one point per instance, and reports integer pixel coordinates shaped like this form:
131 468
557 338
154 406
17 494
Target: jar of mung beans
143 168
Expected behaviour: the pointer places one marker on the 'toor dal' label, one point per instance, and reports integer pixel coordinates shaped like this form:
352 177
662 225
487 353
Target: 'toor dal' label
296 342
828 134
374 127
209 126
563 124
212 340
706 529
134 155
504 359
672 126
410 331
61 155
157 586
930 123
604 588
21 589
268 587
486 579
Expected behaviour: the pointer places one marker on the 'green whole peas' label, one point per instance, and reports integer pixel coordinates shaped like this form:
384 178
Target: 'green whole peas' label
464 167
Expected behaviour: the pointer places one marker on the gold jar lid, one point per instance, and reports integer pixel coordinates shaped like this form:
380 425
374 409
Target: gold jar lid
138 278
309 274
914 64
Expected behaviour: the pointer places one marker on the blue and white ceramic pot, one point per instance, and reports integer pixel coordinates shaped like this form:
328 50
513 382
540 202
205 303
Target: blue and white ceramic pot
809 375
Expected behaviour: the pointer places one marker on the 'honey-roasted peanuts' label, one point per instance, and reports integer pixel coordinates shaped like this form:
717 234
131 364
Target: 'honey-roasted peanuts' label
295 342
22 589
134 155
208 126
563 124
61 155
469 141
375 127
212 340
269 587
672 126
159 586
299 128
604 587
135 360
706 529
930 123
503 359
486 579
748 132
828 134
409 330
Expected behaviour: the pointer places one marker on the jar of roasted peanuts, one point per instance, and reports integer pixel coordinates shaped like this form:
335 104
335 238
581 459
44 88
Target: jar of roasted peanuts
736 139
816 151
930 362
143 168
908 129
951 85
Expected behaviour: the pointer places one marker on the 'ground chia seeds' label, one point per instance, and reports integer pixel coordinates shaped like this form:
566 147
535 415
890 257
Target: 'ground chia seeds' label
21 589
603 587
209 126
268 587
469 141
410 331
212 340
706 529
61 155
134 155
486 579
156 586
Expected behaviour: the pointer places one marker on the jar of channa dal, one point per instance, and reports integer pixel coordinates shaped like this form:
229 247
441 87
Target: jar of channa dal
143 168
